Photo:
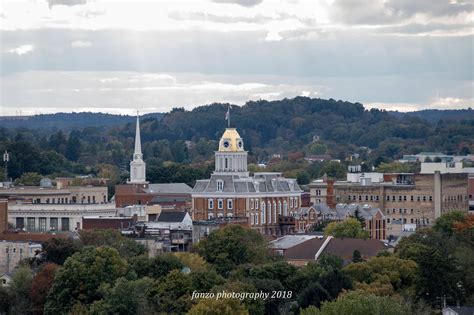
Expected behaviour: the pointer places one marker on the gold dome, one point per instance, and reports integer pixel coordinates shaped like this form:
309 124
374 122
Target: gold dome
231 141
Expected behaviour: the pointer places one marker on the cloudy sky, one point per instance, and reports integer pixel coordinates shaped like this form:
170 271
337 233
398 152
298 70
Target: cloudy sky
119 56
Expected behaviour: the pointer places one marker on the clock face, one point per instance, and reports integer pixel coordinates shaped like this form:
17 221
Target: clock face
240 144
226 144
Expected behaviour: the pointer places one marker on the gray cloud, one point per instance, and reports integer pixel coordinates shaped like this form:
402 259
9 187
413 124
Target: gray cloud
245 3
391 11
202 16
65 2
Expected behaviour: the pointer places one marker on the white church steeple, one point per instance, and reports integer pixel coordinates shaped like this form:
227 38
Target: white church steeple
137 166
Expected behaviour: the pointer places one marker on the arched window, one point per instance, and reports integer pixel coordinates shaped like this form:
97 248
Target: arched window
285 208
256 218
263 212
279 207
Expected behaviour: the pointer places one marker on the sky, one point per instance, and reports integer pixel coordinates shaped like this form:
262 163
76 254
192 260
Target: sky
120 56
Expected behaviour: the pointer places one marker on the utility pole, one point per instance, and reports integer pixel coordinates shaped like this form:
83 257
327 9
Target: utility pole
6 159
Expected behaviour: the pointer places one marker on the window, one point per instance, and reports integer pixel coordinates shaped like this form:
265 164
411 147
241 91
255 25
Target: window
412 198
366 198
220 204
263 213
252 203
279 207
411 211
431 198
418 198
252 219
388 220
30 224
291 202
64 224
285 206
230 204
210 215
393 198
220 185
42 224
93 199
399 198
256 218
371 198
53 224
424 198
20 223
210 203
360 198
318 192
226 163
377 198
296 202
388 198
256 204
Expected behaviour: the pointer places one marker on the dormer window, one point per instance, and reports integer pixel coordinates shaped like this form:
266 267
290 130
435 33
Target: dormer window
220 183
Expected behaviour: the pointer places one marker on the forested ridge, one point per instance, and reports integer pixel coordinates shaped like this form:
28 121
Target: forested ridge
179 145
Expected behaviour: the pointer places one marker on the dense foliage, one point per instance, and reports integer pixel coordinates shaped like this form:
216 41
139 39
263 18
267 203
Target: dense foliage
427 267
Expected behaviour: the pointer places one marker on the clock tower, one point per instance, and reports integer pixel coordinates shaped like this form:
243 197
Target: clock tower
231 158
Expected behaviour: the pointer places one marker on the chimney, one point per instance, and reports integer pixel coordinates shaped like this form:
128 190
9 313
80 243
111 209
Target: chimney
3 215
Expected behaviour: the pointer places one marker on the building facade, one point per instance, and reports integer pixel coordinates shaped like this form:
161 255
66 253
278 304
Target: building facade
411 198
267 200
55 217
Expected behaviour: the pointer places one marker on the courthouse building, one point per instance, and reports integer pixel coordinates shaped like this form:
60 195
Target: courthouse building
267 201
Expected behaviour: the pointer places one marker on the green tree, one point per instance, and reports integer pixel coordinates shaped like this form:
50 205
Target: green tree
29 179
81 276
73 147
439 271
20 288
108 237
233 245
125 297
218 307
334 169
157 267
57 250
445 223
356 256
350 228
359 303
384 274
172 295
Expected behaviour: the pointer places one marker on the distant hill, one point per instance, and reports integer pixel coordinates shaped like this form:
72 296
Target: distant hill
69 121
435 115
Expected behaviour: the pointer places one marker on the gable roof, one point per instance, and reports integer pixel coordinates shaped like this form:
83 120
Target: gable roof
171 216
342 247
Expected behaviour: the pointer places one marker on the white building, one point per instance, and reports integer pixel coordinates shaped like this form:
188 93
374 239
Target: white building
55 217
137 165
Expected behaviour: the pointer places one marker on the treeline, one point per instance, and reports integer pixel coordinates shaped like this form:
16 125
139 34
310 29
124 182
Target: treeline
278 133
105 273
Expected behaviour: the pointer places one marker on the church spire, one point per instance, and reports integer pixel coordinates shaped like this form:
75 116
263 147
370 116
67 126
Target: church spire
137 165
138 142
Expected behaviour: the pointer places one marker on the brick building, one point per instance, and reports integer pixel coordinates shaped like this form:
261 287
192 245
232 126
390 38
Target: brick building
267 200
411 198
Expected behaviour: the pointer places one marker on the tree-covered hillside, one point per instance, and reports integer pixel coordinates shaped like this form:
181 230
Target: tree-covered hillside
280 133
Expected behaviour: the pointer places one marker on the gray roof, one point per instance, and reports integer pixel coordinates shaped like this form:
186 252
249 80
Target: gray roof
345 210
169 188
288 241
171 216
263 182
